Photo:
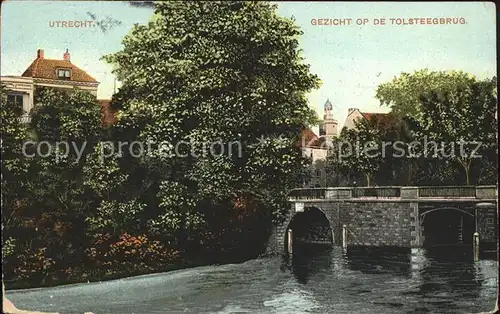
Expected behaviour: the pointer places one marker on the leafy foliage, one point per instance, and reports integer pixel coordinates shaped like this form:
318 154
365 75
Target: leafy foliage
447 113
129 254
43 201
228 74
460 119
70 116
360 150
403 93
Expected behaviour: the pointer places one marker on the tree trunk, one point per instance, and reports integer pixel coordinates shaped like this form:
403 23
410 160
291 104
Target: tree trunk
467 174
410 170
466 165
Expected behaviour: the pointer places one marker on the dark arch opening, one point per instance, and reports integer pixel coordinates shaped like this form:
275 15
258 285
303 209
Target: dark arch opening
309 228
447 227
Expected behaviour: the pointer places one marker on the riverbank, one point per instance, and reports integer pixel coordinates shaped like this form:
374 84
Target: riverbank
81 275
9 308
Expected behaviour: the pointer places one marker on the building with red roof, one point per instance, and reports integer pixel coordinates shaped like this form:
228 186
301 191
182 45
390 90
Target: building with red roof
56 73
61 73
354 114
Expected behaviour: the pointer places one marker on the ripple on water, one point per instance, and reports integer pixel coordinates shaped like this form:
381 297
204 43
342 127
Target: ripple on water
233 309
293 301
362 282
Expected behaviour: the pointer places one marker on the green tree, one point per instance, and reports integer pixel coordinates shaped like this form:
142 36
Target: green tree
460 120
358 151
375 148
212 72
14 168
45 203
448 107
66 115
403 93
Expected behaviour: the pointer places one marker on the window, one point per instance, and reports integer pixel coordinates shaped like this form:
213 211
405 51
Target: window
63 74
16 100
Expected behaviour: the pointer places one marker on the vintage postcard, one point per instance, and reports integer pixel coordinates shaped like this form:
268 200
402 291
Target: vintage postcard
249 157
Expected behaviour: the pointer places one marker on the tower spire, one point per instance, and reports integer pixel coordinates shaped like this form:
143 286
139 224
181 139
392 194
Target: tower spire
329 123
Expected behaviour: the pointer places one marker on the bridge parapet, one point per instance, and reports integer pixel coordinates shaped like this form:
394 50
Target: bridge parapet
377 192
447 191
486 192
307 194
409 192
338 193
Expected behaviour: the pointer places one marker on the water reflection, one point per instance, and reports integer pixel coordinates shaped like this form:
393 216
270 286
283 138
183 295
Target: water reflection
450 270
309 259
428 280
316 279
379 260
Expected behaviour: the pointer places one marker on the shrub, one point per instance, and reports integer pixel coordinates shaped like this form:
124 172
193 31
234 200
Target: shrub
130 254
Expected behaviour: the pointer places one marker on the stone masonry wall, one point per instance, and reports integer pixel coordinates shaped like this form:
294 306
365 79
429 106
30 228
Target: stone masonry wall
378 223
487 224
276 242
368 224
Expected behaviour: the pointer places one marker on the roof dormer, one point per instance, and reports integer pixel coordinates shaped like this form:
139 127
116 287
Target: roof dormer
63 73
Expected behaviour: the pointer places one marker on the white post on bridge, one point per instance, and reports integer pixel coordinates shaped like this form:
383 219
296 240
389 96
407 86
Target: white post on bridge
290 241
344 237
476 246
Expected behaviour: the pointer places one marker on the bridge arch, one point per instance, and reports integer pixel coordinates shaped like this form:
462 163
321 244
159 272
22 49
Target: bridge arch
313 226
449 225
422 215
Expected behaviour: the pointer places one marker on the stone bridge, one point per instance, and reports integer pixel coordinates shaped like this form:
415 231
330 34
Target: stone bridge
388 216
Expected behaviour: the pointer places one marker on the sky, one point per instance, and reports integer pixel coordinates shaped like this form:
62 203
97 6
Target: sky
351 60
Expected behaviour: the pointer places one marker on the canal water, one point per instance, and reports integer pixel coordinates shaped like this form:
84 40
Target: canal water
314 281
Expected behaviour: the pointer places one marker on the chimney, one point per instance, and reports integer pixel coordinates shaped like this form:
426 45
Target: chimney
39 54
66 55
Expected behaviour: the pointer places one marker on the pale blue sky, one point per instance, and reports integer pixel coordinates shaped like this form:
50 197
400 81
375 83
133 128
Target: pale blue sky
350 60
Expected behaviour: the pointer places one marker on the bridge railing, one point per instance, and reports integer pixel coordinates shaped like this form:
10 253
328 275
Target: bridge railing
377 192
311 193
447 191
412 192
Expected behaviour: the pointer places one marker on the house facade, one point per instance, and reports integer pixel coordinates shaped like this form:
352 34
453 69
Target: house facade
57 73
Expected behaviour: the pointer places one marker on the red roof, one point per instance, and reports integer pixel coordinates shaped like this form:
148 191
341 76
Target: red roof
370 116
320 142
311 140
381 119
308 136
47 69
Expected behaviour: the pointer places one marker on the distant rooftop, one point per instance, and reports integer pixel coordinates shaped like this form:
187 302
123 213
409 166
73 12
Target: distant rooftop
47 69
